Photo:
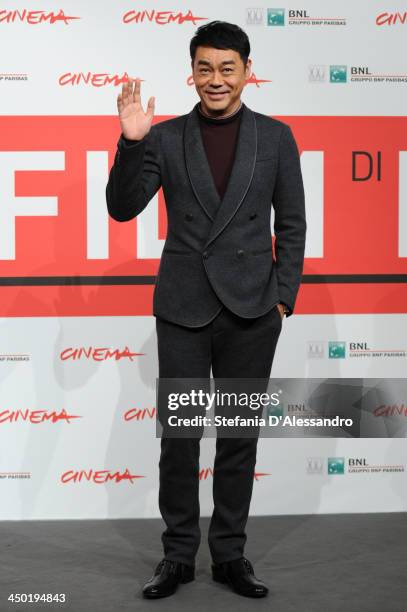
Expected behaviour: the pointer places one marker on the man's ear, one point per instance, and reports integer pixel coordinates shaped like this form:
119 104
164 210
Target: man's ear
248 68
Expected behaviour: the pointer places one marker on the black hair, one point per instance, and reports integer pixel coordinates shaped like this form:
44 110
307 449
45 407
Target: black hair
221 35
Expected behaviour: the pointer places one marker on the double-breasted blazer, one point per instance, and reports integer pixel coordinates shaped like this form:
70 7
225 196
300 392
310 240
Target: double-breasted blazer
217 251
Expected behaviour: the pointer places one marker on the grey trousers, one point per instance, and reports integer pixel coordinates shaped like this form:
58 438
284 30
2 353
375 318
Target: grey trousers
234 347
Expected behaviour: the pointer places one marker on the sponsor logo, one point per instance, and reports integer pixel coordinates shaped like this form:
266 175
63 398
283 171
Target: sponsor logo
363 74
15 476
356 350
357 74
277 411
336 350
359 465
14 357
337 74
254 16
315 465
362 350
300 17
317 73
336 465
275 16
315 349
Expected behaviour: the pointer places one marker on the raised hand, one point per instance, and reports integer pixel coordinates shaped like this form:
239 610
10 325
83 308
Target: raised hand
135 123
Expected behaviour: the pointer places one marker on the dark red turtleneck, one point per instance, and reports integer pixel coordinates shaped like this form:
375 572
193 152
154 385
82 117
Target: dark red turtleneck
219 138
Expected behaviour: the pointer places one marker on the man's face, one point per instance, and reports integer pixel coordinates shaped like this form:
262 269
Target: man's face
219 76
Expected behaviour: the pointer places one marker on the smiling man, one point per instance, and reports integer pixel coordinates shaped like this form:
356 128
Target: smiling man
220 296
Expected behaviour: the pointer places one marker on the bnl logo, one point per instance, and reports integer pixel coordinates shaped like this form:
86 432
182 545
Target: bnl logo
336 465
277 411
336 350
275 16
337 74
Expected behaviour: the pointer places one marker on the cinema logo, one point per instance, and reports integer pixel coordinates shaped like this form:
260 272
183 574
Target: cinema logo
391 19
251 80
36 417
98 354
206 473
93 79
140 414
390 410
161 17
99 476
35 17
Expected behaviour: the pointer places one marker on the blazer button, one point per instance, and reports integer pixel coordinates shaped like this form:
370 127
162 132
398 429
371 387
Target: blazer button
253 216
189 217
205 254
240 252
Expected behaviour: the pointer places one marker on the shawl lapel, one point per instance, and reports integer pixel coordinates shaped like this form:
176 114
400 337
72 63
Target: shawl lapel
220 211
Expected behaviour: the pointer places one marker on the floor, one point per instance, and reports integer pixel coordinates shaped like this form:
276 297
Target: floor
316 563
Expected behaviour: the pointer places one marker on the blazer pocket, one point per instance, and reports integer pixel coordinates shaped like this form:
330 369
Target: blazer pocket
176 251
261 251
268 158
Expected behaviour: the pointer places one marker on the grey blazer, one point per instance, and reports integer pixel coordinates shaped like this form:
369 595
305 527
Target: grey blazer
217 251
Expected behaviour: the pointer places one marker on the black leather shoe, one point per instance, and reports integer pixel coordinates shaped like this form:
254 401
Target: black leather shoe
239 574
166 578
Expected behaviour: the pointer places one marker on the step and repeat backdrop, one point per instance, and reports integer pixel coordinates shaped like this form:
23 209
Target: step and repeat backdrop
78 357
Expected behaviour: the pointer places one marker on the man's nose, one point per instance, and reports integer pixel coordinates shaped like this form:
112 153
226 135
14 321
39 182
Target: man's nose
217 80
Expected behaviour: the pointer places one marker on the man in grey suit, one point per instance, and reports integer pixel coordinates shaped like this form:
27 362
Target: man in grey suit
220 296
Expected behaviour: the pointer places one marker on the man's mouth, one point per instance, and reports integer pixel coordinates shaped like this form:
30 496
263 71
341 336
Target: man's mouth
216 95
